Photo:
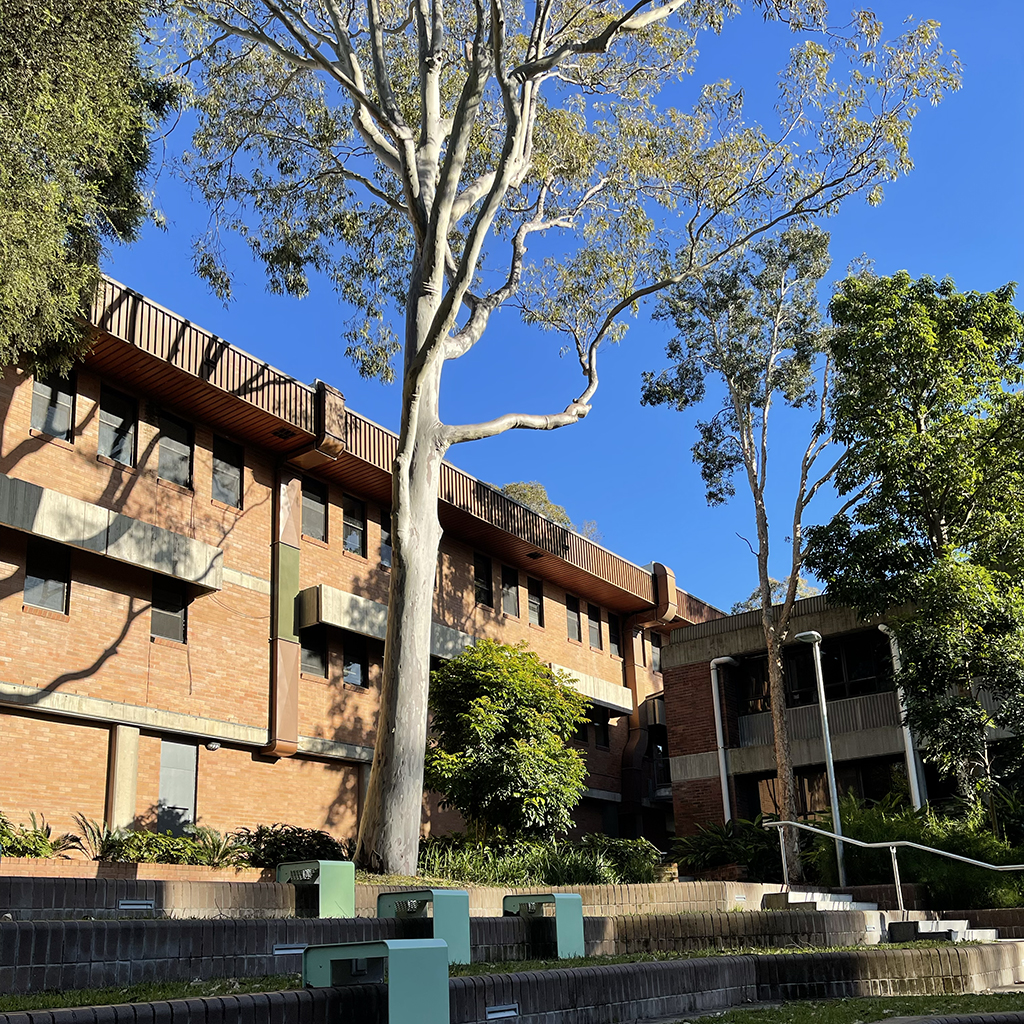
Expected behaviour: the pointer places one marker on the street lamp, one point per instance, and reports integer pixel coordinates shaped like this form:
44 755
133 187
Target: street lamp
814 639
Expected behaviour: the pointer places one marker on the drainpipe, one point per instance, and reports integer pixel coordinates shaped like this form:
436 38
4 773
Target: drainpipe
723 771
908 740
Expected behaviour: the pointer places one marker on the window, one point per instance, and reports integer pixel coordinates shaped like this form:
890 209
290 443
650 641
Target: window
572 618
614 635
314 509
354 528
354 663
313 644
177 803
47 576
602 732
167 616
510 590
483 583
535 596
118 414
655 651
52 406
583 732
385 538
594 624
228 460
175 452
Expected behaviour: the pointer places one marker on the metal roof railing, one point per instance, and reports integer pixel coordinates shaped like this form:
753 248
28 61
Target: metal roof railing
890 845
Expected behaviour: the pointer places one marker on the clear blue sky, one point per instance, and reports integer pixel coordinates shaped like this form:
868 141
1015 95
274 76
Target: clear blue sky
960 213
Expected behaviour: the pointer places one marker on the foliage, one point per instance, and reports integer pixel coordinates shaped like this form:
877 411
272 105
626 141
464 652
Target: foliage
500 754
738 841
779 589
951 885
535 495
76 113
270 845
34 840
928 401
594 860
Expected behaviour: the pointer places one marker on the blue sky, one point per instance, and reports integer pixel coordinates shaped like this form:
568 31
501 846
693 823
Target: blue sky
960 213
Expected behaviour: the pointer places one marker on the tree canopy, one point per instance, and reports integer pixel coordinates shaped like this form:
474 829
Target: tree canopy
535 495
928 402
76 112
502 722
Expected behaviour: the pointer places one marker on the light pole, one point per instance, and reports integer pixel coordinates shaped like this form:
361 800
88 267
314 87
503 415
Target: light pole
814 639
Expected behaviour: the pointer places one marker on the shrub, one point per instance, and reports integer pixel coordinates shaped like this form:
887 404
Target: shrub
35 840
738 841
634 860
270 845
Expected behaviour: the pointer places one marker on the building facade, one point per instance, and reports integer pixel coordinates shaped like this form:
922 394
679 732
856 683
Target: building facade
874 754
195 555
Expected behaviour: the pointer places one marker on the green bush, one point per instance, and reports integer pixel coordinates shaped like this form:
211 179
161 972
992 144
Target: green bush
738 841
595 860
270 845
35 840
951 885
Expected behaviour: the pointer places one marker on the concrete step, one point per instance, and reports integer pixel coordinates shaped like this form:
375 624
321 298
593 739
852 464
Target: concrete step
939 931
823 901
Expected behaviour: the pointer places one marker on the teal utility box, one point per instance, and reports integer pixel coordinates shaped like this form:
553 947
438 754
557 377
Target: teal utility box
335 882
417 974
451 915
568 917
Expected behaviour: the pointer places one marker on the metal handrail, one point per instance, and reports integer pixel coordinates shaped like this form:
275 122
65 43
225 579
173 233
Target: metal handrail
890 846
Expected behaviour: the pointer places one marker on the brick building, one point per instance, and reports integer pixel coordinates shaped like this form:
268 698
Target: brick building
873 753
194 552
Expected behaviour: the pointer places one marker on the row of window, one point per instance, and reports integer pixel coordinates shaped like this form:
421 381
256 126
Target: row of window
48 586
354 660
53 414
353 534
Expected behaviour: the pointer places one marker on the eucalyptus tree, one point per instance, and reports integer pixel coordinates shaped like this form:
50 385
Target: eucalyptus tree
410 153
753 323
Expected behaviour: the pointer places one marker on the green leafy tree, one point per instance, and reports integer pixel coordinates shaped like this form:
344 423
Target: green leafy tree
779 589
928 402
76 112
754 325
535 495
502 722
410 154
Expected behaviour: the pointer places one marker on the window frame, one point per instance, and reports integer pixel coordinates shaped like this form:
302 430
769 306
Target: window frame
129 437
171 592
535 601
313 656
483 580
233 449
164 443
314 494
614 635
385 539
510 591
594 630
572 615
54 384
355 652
601 721
353 525
55 557
656 642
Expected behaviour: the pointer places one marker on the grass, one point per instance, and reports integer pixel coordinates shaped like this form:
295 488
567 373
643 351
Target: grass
865 1011
162 991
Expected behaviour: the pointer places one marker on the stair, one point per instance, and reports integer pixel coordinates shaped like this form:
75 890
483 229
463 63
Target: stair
812 900
952 931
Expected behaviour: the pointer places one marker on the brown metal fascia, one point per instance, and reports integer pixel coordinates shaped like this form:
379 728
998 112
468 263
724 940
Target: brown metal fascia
663 582
329 430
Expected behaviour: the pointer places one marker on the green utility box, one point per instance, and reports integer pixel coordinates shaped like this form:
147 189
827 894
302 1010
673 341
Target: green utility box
334 882
451 915
568 917
417 974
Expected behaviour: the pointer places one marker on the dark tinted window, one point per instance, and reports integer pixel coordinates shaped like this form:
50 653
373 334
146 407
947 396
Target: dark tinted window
572 618
314 509
509 590
614 635
313 642
655 652
535 594
602 732
355 525
483 583
594 625
118 414
355 668
47 576
385 538
168 614
175 455
53 402
228 460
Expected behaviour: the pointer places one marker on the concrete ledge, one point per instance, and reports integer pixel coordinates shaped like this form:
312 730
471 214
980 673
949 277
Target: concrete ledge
613 696
80 524
594 995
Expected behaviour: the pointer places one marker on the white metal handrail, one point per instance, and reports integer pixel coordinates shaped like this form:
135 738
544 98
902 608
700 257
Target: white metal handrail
888 845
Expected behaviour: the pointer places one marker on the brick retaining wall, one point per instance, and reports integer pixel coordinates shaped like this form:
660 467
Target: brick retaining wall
603 995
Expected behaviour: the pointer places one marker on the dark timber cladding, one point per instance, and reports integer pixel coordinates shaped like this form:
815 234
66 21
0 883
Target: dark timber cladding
219 384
